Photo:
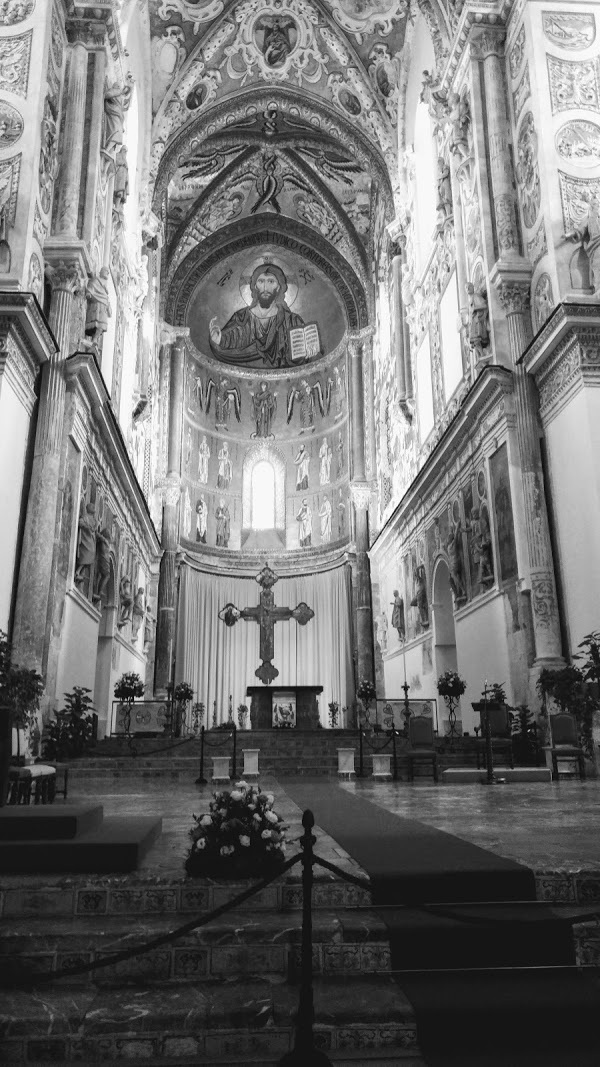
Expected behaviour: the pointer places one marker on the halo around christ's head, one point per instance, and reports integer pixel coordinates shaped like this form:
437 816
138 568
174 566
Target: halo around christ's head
291 292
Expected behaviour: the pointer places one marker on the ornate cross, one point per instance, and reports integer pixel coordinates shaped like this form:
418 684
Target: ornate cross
266 614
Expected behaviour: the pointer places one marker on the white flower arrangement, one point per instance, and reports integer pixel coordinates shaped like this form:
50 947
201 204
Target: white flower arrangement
239 835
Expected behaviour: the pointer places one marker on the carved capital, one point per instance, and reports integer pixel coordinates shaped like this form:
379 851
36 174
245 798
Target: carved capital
486 42
360 493
171 335
66 277
172 490
88 32
514 297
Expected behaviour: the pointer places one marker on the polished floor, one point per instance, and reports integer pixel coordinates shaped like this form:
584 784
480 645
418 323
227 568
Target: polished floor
547 826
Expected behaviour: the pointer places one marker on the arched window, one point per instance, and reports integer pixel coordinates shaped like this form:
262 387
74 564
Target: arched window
263 496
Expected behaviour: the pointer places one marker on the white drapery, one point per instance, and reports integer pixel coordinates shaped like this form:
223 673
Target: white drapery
219 660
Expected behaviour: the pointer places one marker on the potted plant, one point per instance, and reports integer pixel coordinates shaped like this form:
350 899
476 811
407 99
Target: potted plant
451 687
240 836
242 715
568 688
20 691
524 729
127 688
334 710
182 694
366 693
73 728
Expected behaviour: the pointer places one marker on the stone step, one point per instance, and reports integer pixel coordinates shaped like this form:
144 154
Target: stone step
48 822
118 844
347 942
213 1023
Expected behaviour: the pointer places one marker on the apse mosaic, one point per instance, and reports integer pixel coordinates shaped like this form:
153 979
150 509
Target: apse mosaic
269 310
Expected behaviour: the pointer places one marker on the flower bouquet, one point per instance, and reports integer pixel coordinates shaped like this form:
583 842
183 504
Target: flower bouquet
450 684
366 693
239 837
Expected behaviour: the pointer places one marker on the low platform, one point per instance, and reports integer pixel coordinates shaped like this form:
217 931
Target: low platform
48 822
455 775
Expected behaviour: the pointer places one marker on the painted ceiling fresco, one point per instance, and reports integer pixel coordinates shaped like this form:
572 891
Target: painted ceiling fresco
265 110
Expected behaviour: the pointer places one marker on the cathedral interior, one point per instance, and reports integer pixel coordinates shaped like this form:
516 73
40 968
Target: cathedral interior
299 353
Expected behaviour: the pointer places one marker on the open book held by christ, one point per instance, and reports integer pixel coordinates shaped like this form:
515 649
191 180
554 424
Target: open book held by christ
305 342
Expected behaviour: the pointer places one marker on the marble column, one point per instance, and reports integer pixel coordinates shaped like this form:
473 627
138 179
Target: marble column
361 493
71 177
487 45
31 632
514 297
174 338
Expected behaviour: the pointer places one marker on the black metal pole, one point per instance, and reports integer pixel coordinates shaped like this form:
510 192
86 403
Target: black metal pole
394 751
304 1052
489 751
234 770
201 780
360 752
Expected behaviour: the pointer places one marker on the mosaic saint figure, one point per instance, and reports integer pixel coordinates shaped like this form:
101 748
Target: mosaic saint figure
325 517
203 458
225 469
201 519
304 518
325 454
302 462
223 524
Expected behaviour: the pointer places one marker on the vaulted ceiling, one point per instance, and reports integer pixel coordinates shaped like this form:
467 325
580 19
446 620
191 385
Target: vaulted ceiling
264 109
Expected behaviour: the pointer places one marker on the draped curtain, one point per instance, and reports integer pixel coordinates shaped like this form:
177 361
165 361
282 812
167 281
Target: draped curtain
220 660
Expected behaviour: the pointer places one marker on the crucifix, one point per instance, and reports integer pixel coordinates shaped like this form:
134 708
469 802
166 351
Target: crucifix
266 614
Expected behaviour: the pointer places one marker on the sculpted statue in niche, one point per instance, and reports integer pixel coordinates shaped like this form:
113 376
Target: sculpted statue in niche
398 622
479 319
454 551
480 543
259 333
382 631
201 519
587 230
125 601
444 206
121 186
325 512
460 119
419 601
98 307
103 546
86 544
138 612
264 406
116 102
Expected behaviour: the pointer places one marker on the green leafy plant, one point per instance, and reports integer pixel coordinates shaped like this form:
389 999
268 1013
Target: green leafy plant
242 715
494 693
334 710
240 835
72 730
524 730
21 689
568 689
129 686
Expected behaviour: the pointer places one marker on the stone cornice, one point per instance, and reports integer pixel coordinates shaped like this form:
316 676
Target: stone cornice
473 17
493 387
24 315
83 372
572 363
566 316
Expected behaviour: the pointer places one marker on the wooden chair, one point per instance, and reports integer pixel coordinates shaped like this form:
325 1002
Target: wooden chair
421 745
501 734
565 742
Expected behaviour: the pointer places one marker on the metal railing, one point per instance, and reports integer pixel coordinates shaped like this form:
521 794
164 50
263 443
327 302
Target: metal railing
204 744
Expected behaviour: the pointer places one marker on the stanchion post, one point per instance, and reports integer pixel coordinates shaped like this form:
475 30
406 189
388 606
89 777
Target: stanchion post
394 751
489 751
234 768
304 1052
360 752
201 780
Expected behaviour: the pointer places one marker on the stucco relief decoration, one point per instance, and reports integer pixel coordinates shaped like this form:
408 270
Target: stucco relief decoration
568 29
538 245
168 54
15 54
528 175
14 11
10 170
521 93
515 58
40 227
57 41
191 11
581 213
35 280
543 300
579 143
573 84
355 95
363 19
48 167
277 43
11 125
384 72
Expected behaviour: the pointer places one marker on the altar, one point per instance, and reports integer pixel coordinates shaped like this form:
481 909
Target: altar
292 706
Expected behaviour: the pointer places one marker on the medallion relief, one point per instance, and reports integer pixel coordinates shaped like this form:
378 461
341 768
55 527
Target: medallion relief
15 53
528 174
568 29
11 125
578 142
14 11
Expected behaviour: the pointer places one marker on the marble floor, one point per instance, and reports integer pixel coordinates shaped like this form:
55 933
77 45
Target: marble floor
547 826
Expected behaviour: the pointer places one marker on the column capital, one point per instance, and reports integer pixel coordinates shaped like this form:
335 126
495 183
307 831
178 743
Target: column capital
89 32
487 41
513 285
170 335
171 489
360 493
356 338
66 276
